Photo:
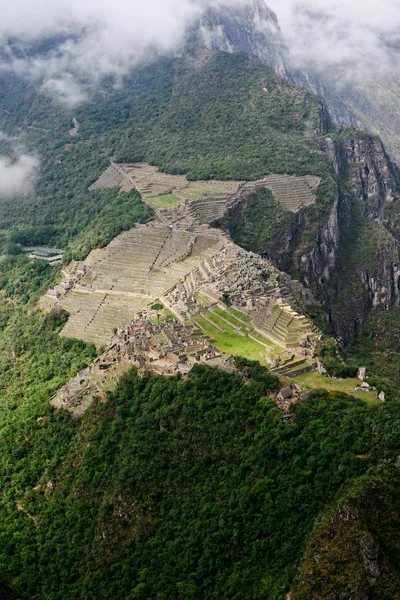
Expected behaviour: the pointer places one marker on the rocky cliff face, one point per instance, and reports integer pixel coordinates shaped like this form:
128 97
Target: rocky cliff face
367 103
348 253
346 248
354 262
252 28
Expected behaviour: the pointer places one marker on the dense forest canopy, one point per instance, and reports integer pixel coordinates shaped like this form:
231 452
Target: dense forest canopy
232 119
180 488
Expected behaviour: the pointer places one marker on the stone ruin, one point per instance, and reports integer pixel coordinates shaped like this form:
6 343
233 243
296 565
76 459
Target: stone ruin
252 285
167 348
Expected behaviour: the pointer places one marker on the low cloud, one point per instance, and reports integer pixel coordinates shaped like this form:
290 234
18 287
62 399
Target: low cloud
18 176
95 39
358 36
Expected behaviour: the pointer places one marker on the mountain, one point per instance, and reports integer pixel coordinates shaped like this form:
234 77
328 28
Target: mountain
252 28
368 101
227 117
201 486
358 540
193 488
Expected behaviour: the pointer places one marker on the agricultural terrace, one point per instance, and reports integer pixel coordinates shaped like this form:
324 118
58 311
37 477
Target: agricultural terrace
160 189
135 269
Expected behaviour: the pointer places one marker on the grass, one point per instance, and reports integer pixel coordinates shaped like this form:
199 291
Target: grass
193 195
231 343
165 201
163 315
240 314
230 317
204 300
278 349
314 380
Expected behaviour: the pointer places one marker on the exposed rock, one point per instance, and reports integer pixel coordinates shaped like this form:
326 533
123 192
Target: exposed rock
320 368
252 28
361 373
344 558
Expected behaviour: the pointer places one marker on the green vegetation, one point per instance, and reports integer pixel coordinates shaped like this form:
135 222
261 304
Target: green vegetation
218 123
178 488
230 316
196 194
219 111
120 211
242 316
334 364
227 340
315 381
364 523
7 592
172 488
259 223
165 201
377 348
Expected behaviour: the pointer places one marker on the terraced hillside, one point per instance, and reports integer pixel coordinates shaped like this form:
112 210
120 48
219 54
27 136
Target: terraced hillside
133 271
284 325
165 192
293 193
207 210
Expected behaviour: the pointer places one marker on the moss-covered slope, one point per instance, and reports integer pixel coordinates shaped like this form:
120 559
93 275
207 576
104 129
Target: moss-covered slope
353 553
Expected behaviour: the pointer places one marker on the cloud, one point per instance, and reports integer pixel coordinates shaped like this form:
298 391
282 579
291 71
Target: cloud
96 38
99 38
18 177
358 36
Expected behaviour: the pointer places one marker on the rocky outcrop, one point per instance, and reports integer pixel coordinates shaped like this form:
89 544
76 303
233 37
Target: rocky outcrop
354 262
252 28
372 176
349 255
346 251
367 103
334 100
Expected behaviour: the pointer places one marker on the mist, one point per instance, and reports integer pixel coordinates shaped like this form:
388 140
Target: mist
18 176
360 36
99 38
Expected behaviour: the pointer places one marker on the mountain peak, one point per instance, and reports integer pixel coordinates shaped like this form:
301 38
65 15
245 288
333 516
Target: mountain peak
252 28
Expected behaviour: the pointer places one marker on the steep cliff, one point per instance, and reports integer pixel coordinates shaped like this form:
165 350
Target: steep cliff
368 102
345 247
354 260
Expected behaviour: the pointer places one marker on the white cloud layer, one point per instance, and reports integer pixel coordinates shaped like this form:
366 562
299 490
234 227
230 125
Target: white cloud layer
18 177
356 34
103 38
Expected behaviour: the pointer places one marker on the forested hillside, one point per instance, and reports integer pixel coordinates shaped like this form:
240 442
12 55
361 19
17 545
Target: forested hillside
233 119
182 489
191 488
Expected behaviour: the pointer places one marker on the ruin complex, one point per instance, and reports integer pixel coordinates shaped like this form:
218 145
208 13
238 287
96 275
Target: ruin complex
209 288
